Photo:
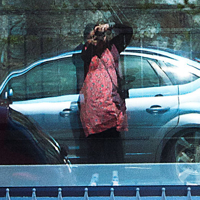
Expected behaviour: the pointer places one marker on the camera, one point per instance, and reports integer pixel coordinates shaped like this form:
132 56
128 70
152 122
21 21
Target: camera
99 33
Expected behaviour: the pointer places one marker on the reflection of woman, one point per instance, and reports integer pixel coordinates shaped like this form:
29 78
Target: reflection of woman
102 110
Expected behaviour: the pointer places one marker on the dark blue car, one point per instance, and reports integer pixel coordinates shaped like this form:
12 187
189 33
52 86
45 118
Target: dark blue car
21 142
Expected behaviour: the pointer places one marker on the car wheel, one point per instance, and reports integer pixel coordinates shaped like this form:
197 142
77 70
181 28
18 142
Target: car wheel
185 151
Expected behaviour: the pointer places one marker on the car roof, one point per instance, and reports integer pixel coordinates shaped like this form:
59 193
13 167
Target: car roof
163 53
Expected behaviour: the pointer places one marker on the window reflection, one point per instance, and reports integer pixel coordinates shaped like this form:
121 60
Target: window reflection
179 74
50 79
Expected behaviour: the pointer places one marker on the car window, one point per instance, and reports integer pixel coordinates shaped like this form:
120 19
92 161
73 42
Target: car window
140 72
173 72
53 78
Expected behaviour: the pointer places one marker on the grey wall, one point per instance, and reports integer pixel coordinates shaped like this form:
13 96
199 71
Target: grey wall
35 29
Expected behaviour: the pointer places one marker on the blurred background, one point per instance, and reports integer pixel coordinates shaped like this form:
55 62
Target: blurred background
33 29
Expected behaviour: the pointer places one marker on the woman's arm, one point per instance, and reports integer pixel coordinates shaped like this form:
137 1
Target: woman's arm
88 52
94 45
123 37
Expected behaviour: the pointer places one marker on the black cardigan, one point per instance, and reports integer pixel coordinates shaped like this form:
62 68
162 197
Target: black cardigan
121 40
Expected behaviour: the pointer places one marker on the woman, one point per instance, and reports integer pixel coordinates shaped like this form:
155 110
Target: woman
102 110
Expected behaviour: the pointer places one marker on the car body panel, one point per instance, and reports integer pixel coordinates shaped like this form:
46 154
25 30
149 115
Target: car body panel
144 125
190 93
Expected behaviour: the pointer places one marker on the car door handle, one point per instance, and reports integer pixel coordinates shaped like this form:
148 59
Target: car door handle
156 109
65 112
72 110
158 95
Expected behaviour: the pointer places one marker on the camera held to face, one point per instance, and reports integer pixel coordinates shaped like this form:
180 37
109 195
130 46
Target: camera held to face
99 35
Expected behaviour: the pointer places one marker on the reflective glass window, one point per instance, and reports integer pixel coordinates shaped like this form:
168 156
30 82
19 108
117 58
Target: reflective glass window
141 72
179 74
53 78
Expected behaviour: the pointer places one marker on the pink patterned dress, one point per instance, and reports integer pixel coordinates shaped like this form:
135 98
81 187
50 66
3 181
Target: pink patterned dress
98 111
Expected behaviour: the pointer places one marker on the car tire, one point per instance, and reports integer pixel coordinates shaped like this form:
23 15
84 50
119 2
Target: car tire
183 151
183 148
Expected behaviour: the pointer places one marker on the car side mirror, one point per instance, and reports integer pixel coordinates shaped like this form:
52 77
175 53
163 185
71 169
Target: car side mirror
8 94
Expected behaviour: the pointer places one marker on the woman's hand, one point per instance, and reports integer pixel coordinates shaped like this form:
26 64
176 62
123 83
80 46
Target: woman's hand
97 34
101 27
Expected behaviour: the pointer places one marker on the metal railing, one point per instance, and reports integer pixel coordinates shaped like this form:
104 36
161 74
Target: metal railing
88 182
112 193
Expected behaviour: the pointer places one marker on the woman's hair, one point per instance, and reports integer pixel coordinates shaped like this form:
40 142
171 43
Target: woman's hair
88 29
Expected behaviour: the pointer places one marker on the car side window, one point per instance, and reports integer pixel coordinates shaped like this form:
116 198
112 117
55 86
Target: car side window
139 73
173 72
50 79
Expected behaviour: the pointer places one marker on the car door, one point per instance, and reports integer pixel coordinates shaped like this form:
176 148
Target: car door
48 94
152 102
